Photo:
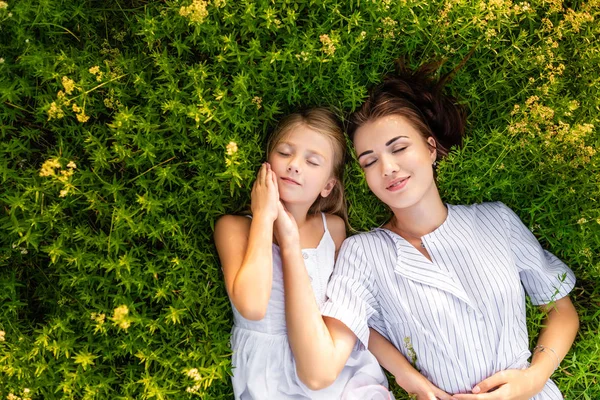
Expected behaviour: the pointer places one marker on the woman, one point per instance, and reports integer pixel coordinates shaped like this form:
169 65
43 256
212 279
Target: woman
441 282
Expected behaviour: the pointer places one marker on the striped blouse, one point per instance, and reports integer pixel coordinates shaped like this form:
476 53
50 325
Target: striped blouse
463 313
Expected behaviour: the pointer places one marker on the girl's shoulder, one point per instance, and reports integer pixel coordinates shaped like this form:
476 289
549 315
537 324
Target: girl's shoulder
337 229
233 223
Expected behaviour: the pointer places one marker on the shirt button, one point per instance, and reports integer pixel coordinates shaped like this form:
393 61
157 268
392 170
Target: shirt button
477 347
304 255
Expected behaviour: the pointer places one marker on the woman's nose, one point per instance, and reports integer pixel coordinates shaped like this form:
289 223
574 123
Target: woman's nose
389 166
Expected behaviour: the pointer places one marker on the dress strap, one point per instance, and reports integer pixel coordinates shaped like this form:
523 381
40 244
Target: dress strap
324 221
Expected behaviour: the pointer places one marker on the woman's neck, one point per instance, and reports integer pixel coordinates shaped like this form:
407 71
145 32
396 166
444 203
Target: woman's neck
420 219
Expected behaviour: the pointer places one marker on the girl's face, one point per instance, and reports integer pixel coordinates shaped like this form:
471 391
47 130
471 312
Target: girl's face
303 164
396 160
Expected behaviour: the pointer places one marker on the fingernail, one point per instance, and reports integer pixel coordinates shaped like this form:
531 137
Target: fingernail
476 389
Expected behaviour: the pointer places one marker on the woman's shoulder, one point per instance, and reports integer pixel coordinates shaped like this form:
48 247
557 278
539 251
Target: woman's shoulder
492 207
375 237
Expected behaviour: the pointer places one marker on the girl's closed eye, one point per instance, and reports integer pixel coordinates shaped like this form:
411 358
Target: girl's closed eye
283 153
313 162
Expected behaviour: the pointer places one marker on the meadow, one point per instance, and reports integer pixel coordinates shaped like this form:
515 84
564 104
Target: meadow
128 127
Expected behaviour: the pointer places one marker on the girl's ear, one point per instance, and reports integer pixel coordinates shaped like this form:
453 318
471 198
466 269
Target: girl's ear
432 148
328 187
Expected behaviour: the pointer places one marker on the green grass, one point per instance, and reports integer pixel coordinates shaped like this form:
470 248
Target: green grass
132 224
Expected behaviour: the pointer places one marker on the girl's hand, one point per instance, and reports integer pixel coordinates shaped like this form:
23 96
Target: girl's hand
286 229
511 384
265 194
420 387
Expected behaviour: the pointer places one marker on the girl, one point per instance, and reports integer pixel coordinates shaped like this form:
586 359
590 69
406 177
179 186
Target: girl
445 283
301 179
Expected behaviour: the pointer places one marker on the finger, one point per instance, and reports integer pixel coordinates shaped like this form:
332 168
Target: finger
262 173
484 396
274 176
490 383
440 394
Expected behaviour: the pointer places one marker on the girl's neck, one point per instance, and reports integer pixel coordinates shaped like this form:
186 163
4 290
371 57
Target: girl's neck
299 212
421 218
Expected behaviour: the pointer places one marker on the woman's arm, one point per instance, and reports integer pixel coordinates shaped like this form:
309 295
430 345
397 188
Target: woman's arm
406 375
321 347
560 327
245 249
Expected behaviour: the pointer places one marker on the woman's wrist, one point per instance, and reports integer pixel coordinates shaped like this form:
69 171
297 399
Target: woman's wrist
538 374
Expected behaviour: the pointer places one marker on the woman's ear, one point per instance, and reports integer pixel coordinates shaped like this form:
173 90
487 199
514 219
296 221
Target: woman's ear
328 187
432 148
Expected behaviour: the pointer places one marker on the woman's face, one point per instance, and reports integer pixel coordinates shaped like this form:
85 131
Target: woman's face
396 160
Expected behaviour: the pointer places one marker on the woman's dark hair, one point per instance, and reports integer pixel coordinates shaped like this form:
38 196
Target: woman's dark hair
418 97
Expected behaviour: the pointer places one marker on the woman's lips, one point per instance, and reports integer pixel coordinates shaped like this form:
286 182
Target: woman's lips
397 184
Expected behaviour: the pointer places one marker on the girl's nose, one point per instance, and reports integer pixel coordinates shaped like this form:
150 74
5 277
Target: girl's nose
293 166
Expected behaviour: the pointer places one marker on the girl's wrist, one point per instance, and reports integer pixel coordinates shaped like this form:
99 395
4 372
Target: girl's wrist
290 244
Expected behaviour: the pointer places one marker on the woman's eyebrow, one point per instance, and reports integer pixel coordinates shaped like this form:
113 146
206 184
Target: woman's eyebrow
389 142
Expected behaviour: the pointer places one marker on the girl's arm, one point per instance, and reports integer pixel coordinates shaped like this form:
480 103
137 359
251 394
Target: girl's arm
406 375
245 249
560 327
321 348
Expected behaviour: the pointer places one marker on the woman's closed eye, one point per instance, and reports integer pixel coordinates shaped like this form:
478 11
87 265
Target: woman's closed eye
398 150
369 163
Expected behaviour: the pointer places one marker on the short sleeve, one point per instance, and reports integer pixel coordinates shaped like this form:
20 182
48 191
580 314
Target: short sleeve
351 292
544 277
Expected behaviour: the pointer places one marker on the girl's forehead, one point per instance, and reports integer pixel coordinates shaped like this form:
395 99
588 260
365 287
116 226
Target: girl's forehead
304 136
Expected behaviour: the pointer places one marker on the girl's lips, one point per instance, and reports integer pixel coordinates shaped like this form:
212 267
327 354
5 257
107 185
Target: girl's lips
397 184
290 180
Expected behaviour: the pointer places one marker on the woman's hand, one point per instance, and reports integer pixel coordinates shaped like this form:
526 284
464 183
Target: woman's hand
420 386
511 384
286 229
265 194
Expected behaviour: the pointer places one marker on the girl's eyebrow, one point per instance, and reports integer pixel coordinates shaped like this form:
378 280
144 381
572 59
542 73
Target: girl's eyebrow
311 151
389 142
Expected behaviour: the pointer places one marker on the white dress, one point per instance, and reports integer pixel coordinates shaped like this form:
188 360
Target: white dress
263 363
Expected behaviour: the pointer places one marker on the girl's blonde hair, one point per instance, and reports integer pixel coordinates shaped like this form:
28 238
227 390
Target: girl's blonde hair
325 122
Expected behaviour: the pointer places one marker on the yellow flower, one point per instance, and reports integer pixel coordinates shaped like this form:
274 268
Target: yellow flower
94 70
194 374
82 117
49 166
328 44
69 84
3 5
2 334
196 12
72 165
232 148
120 316
258 101
64 193
55 112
